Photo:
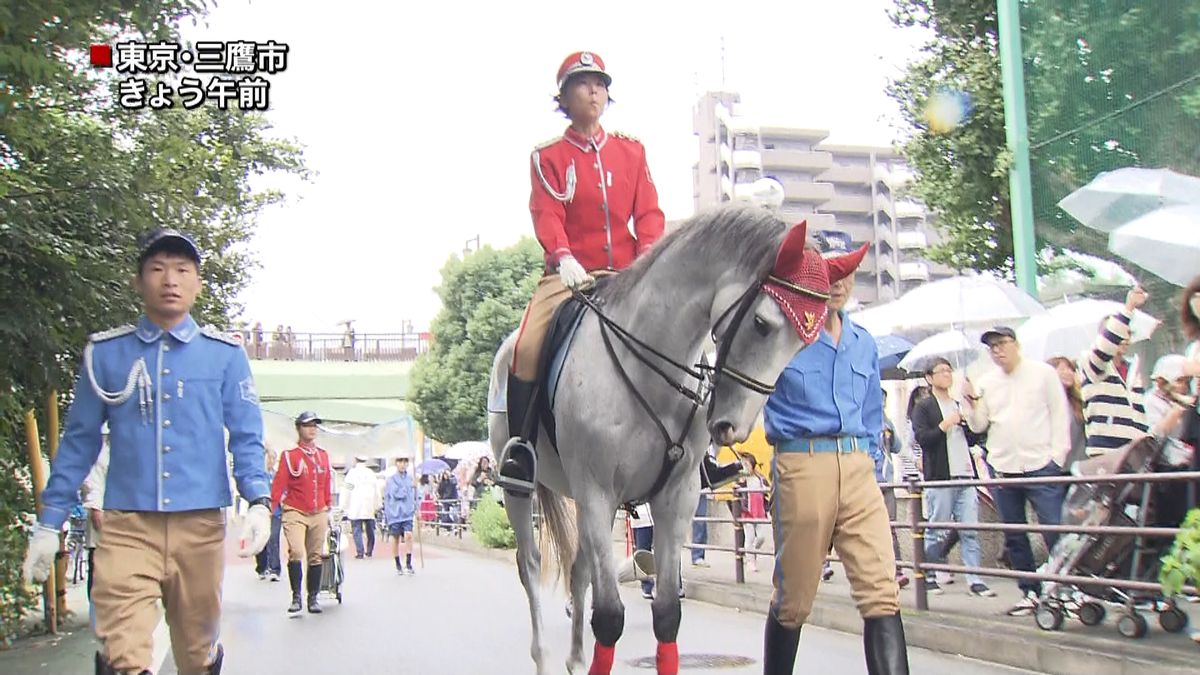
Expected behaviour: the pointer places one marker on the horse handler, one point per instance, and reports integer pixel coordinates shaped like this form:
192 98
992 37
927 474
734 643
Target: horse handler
825 421
169 390
303 489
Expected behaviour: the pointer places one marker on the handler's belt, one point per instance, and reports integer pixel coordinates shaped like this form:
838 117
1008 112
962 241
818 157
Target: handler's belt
839 444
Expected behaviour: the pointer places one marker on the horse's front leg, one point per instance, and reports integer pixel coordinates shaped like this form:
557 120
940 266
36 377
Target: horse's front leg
529 563
672 511
608 613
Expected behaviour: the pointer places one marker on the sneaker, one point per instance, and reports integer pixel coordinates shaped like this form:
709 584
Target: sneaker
946 578
411 571
649 595
932 587
262 576
981 590
274 576
827 572
1026 606
700 563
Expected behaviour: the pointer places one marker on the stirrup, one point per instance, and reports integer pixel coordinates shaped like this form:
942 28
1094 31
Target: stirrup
518 486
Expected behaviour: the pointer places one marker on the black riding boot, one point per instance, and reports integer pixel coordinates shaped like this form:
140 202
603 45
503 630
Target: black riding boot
214 668
779 646
884 646
102 667
713 475
314 587
518 466
295 577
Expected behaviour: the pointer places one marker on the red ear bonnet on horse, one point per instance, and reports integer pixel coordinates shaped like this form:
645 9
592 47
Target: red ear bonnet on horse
843 266
799 284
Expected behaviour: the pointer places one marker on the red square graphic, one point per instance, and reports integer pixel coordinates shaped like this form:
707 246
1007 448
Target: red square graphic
101 56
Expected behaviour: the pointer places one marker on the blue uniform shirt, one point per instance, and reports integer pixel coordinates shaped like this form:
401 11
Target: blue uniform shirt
829 390
168 398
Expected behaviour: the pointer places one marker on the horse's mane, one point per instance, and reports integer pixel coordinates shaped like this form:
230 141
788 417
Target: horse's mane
747 236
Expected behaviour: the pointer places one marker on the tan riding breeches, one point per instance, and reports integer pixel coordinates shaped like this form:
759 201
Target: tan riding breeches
826 497
144 557
550 293
305 535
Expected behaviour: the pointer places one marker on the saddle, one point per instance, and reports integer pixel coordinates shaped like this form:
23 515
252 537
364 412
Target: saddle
555 348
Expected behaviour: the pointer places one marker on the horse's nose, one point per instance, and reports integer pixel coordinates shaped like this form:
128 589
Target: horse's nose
722 432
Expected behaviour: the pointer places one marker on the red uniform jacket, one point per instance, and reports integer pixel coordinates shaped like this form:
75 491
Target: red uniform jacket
303 480
585 193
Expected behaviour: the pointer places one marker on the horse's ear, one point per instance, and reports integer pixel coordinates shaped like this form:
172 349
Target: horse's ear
791 251
843 266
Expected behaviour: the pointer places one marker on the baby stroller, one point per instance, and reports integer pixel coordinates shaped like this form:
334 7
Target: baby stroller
1109 556
333 561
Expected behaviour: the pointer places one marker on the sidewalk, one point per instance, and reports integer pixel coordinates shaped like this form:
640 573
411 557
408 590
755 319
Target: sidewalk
37 652
957 623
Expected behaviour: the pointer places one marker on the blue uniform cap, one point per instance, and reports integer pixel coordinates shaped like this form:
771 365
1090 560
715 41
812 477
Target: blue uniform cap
167 239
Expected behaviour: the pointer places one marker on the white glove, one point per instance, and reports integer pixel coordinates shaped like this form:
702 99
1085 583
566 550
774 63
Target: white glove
43 546
256 531
572 273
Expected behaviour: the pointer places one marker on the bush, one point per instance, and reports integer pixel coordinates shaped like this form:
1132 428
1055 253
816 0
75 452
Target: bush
1182 564
16 505
489 523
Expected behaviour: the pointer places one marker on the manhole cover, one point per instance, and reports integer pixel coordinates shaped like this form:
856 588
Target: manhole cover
698 661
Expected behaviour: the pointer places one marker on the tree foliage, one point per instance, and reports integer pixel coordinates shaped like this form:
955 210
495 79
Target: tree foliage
80 179
483 297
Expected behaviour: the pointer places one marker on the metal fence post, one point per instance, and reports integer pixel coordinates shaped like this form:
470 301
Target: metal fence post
918 539
739 540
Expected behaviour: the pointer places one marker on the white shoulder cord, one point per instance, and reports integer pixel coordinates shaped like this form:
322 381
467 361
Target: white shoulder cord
569 193
139 378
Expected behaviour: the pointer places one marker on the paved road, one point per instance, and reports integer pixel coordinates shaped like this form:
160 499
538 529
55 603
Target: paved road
465 614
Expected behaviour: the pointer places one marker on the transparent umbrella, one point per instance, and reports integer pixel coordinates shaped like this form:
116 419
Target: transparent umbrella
958 346
970 301
1165 242
1070 329
1114 198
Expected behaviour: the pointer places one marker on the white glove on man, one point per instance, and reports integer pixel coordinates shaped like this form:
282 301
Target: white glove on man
43 546
256 531
572 273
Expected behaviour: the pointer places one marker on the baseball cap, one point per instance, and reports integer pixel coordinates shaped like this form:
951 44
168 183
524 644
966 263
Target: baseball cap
997 332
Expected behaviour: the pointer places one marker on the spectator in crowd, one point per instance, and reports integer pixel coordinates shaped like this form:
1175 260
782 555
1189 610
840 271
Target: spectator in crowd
399 503
754 505
1024 411
700 531
1166 405
643 540
277 343
1190 318
258 340
447 494
1113 391
946 444
482 478
885 472
267 563
360 502
911 461
1068 374
289 336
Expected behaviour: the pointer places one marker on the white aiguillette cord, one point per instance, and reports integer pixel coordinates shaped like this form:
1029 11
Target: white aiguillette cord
139 378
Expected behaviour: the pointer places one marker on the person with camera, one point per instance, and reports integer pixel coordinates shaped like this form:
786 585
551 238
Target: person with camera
943 434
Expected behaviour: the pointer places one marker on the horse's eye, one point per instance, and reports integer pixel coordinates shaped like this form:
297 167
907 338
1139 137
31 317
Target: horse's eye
761 326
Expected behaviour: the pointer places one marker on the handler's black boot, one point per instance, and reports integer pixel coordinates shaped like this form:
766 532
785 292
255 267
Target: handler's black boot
314 587
214 668
884 646
295 575
518 460
779 646
713 475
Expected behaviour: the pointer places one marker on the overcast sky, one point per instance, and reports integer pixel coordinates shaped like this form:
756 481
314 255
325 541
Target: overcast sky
419 119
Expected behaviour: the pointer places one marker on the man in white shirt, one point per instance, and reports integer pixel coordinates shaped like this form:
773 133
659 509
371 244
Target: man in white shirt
360 502
1023 408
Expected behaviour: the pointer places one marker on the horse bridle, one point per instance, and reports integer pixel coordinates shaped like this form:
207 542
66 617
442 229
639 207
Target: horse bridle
707 377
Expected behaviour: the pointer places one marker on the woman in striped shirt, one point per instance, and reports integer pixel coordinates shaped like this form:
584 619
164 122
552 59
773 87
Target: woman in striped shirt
1113 392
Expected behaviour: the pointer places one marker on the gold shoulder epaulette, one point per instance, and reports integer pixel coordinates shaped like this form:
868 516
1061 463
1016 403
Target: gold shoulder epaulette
215 334
628 137
112 333
545 144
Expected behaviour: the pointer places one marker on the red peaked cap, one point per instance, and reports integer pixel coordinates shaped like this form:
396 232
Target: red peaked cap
799 283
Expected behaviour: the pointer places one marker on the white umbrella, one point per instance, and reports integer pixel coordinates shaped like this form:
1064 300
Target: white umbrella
981 301
959 347
468 450
1070 329
1165 242
1114 198
1088 274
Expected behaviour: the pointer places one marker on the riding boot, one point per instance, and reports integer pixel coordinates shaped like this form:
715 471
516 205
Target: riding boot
779 646
518 460
103 668
214 668
295 576
713 475
314 587
884 646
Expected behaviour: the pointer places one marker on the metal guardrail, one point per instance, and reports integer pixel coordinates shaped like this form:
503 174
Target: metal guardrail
334 346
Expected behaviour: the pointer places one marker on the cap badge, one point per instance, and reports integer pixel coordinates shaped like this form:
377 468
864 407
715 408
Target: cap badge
586 59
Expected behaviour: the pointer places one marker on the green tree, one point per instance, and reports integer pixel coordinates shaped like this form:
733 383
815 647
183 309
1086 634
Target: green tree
483 296
80 180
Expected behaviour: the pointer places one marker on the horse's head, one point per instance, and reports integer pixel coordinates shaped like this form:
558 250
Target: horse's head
760 331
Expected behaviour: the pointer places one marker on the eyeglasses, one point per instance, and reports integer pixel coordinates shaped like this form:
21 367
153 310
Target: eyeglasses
941 370
996 345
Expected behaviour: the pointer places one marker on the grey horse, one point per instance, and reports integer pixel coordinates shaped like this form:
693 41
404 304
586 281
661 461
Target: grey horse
704 279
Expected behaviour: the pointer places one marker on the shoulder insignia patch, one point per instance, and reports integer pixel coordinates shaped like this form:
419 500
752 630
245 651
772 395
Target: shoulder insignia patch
545 144
628 137
248 391
112 333
213 333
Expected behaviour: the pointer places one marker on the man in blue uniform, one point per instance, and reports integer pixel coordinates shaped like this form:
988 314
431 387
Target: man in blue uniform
169 390
824 422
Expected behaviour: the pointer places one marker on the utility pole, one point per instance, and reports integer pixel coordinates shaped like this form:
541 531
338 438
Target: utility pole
467 249
1016 126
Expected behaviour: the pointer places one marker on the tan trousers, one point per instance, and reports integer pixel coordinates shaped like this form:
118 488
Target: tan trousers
144 557
305 534
828 497
550 293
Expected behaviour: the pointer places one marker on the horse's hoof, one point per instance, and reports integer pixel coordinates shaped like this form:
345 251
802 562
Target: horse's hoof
576 666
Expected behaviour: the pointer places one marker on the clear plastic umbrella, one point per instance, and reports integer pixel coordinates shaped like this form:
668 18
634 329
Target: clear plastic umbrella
958 346
1114 198
965 301
1165 242
1070 329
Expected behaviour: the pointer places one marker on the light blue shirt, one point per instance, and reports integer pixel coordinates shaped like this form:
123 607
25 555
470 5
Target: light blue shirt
185 388
399 499
829 390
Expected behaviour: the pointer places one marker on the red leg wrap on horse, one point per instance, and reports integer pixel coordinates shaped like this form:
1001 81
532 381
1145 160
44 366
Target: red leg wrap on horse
602 660
667 658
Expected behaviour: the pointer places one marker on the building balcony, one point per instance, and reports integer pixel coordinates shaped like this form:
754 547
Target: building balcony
909 240
909 209
809 160
790 133
914 271
848 204
725 153
804 191
747 159
727 186
816 221
841 173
